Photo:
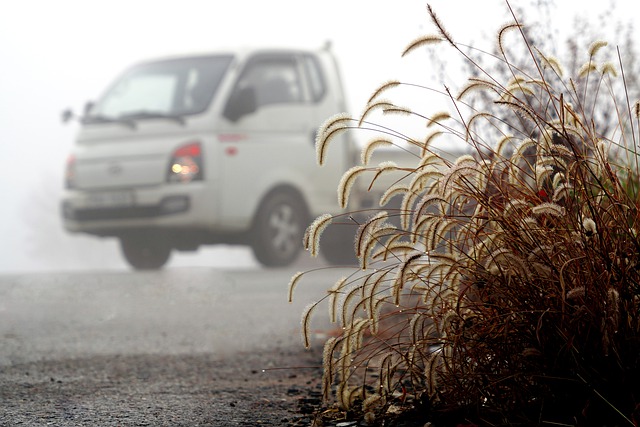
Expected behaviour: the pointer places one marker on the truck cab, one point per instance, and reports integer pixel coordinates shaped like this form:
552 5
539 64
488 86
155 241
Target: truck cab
209 148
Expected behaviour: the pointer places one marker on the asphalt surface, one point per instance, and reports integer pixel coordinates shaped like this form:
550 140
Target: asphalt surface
184 346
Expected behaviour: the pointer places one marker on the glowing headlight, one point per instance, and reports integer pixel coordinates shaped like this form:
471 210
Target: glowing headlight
186 164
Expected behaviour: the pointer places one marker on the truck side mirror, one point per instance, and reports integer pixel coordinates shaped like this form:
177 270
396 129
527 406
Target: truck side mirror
241 102
66 116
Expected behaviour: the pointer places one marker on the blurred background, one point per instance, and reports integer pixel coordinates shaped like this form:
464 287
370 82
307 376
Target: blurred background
58 55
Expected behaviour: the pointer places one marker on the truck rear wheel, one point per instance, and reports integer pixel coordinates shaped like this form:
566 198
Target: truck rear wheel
337 244
278 230
145 252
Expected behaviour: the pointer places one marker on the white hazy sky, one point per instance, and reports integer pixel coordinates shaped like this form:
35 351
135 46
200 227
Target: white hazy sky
59 54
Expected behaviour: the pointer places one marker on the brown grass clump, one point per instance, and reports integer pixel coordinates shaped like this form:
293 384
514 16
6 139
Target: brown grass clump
506 288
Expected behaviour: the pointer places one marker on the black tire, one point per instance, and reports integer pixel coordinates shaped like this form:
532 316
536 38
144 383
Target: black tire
278 229
145 252
337 244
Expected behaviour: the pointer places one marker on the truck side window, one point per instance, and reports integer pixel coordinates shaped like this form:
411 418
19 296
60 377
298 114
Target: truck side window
315 78
275 80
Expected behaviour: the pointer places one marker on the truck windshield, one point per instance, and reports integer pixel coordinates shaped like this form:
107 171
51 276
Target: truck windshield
162 89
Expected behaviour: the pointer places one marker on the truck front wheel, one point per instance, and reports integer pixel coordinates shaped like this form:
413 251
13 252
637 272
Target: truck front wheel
278 230
145 252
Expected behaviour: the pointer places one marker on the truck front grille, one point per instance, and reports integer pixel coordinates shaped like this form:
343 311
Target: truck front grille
116 213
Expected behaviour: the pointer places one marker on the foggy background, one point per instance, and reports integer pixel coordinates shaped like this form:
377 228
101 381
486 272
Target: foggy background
57 55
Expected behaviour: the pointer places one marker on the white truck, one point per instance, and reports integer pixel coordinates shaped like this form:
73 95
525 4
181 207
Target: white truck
213 148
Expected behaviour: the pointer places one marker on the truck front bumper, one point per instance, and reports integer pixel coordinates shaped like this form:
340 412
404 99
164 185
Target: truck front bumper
113 211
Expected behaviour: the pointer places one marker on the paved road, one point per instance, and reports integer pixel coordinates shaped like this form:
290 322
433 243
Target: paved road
187 346
181 310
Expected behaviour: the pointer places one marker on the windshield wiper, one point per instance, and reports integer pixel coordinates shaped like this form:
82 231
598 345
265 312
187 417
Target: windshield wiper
151 115
105 119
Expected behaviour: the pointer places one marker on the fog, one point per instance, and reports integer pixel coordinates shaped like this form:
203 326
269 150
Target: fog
57 55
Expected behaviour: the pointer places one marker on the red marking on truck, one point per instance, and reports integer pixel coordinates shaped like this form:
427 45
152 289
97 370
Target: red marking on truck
231 137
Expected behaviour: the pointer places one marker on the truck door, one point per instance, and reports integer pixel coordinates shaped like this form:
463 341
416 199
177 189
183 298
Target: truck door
275 143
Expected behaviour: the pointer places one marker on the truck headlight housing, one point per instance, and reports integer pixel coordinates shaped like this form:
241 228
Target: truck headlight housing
186 164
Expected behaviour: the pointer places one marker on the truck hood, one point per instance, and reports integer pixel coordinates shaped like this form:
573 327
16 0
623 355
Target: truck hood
116 157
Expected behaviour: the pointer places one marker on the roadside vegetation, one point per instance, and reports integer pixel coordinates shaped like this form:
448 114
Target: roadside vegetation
504 288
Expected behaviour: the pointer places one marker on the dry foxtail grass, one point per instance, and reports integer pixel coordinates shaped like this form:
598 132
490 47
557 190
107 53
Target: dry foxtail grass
506 289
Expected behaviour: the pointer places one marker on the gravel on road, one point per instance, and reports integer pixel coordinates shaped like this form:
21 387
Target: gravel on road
269 388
